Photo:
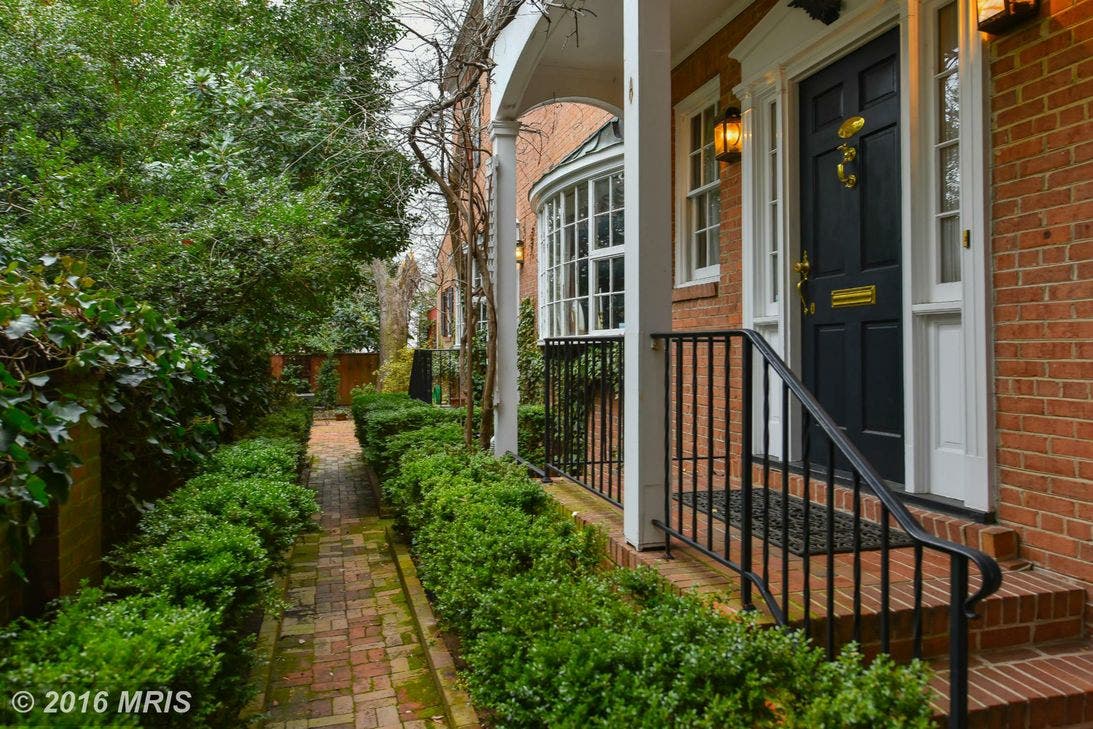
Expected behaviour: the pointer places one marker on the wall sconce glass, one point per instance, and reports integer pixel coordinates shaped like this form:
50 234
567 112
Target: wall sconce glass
998 16
519 253
728 135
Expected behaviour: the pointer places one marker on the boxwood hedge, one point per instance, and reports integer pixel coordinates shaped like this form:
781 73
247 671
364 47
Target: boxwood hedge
551 638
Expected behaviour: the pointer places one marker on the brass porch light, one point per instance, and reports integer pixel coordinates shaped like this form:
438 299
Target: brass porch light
519 246
728 136
998 16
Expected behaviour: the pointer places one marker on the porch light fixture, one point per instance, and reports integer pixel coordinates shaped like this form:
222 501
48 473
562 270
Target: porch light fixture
519 247
998 16
728 136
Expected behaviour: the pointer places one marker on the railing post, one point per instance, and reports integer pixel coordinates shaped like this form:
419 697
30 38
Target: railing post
958 644
745 469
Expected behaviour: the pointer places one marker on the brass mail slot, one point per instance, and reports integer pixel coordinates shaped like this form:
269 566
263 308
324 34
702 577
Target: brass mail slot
857 296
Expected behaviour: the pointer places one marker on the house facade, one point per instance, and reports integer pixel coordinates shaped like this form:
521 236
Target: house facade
909 225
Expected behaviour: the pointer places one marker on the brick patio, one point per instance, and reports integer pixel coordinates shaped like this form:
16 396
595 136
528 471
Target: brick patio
348 653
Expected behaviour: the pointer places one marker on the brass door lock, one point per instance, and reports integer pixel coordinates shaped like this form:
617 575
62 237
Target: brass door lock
848 129
803 268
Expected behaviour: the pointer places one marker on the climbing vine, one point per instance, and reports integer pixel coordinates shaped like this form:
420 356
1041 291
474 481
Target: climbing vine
70 352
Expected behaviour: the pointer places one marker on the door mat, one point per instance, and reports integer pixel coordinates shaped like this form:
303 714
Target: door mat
817 538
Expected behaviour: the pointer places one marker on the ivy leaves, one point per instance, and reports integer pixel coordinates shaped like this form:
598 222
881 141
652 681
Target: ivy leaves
70 353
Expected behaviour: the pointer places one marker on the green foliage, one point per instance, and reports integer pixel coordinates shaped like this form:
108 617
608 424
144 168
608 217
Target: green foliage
226 160
394 374
529 357
551 640
531 426
292 420
327 383
380 416
73 352
190 586
257 457
98 644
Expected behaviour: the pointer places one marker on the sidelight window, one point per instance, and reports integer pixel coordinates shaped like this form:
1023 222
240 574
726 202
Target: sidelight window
947 144
702 207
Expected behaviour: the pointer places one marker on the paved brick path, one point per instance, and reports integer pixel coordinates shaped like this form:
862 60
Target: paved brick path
348 654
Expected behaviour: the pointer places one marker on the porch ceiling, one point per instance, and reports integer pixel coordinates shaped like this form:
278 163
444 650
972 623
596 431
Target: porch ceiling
566 56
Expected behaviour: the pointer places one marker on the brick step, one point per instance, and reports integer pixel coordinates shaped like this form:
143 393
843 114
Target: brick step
1030 608
1049 685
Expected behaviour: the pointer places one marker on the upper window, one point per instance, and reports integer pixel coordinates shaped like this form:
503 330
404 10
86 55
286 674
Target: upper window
447 312
700 210
581 239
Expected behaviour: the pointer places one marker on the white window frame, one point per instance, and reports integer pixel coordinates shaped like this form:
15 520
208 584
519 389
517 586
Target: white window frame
546 261
706 95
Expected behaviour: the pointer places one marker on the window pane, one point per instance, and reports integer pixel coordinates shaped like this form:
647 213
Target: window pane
950 249
570 249
617 192
617 319
582 278
603 276
582 240
618 273
570 206
603 202
582 202
696 170
950 178
618 226
700 249
948 42
948 124
696 132
603 231
601 314
713 206
580 313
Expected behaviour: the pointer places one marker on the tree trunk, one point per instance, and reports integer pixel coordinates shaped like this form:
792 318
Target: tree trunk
395 294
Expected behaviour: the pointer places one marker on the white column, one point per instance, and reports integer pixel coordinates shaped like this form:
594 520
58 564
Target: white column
506 283
647 104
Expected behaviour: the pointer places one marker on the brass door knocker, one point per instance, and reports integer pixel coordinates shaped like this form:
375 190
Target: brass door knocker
803 269
848 129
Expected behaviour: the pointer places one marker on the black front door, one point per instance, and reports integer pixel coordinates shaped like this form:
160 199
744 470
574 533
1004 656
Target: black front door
850 232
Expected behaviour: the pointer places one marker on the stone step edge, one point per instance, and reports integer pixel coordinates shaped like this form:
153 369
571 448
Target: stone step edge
457 704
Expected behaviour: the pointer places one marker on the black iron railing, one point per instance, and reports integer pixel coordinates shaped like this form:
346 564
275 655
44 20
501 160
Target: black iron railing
583 412
727 496
434 376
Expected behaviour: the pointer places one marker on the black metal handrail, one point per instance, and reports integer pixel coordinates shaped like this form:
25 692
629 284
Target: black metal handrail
434 376
718 345
583 412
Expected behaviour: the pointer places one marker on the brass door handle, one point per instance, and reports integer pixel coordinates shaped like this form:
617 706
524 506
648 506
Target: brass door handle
803 268
849 155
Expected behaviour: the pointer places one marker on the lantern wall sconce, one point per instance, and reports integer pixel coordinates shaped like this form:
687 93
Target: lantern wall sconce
519 246
998 16
728 136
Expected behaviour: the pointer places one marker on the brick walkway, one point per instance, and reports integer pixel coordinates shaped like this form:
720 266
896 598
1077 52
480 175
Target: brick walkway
348 654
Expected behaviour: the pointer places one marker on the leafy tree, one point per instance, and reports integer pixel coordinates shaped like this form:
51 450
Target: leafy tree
223 160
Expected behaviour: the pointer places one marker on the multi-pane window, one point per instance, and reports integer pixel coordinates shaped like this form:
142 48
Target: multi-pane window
447 312
702 245
774 204
947 143
581 239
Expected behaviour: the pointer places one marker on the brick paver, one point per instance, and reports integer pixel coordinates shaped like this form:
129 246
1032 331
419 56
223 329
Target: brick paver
348 654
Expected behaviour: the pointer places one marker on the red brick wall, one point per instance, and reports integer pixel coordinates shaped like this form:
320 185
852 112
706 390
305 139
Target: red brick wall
68 548
1042 197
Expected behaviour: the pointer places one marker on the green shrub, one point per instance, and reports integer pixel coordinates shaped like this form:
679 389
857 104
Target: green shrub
94 644
529 437
259 457
291 421
327 383
275 509
377 420
221 566
394 374
551 641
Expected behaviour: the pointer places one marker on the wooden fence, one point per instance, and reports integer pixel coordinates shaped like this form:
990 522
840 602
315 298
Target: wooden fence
355 368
